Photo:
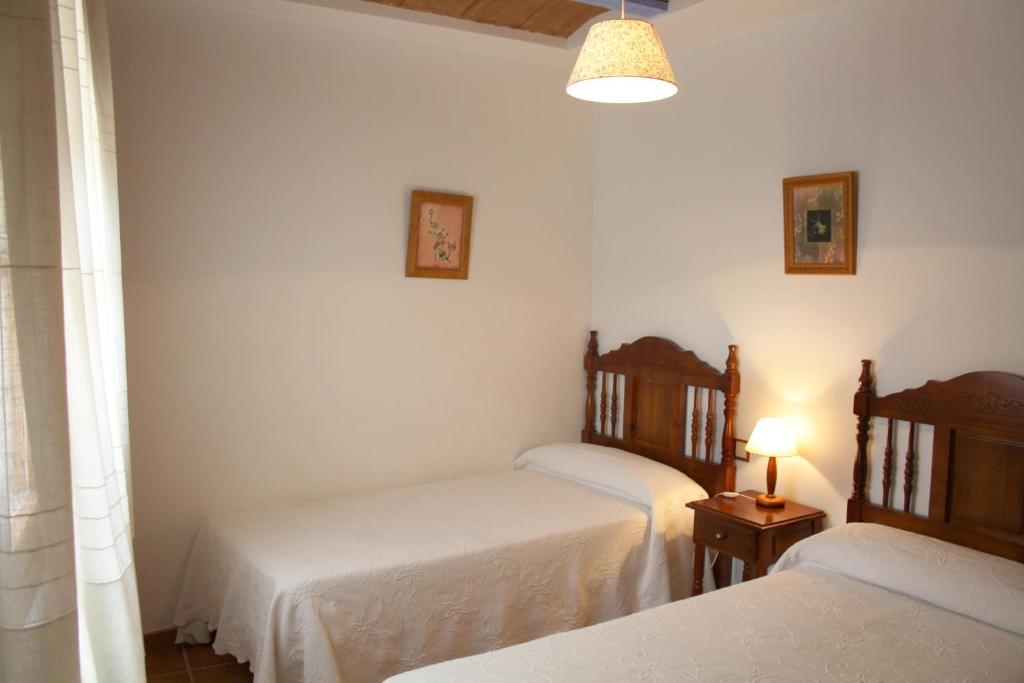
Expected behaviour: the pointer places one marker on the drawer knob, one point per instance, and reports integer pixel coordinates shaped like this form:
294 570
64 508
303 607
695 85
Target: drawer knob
721 536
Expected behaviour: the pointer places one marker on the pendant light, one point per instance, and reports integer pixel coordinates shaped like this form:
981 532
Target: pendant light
622 61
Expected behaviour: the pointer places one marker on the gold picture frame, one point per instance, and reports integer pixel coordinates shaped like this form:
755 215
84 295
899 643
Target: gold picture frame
440 227
820 223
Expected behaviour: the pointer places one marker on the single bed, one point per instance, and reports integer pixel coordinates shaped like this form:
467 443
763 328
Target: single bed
890 596
360 588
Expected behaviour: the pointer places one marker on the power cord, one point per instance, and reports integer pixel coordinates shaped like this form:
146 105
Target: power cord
734 494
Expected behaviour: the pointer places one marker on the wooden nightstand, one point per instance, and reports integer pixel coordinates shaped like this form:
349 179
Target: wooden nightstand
739 528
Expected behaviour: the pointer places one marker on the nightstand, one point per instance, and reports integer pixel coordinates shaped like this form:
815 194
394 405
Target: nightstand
757 536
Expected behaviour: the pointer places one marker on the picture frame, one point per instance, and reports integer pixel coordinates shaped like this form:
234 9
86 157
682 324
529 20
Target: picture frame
440 227
741 450
820 223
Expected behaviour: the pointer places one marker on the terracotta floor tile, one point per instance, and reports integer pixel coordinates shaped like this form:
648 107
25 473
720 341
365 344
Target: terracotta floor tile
200 656
159 639
166 661
232 673
181 677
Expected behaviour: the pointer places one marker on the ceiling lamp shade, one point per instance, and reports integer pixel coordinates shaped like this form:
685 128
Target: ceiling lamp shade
622 61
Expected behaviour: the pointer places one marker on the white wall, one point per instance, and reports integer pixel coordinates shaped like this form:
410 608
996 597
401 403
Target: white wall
266 152
275 349
925 100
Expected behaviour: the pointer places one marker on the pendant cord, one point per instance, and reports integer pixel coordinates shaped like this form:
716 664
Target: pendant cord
623 9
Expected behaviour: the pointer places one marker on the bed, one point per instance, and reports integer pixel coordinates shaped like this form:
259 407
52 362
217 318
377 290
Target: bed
362 587
890 596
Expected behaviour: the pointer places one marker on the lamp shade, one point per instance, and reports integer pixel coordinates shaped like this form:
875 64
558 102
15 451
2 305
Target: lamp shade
622 61
773 437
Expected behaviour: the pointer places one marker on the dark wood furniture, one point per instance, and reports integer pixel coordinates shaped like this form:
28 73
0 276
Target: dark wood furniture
976 483
664 388
739 528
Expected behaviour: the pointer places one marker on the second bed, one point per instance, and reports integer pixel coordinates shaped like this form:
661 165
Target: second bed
891 596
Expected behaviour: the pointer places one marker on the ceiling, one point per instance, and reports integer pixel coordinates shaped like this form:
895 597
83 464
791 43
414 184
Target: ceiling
558 18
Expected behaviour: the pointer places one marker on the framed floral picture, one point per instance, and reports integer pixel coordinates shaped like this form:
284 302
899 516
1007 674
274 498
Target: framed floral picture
821 223
439 231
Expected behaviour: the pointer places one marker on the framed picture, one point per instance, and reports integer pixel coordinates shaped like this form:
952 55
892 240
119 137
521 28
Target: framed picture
439 231
741 450
821 223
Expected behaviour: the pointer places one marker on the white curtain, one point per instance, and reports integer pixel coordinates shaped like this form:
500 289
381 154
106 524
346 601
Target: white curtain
65 544
38 620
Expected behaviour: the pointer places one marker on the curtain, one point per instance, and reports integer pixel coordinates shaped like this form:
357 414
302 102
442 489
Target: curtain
67 576
38 620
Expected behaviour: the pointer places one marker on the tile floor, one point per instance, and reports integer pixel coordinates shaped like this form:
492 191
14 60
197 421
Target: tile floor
170 663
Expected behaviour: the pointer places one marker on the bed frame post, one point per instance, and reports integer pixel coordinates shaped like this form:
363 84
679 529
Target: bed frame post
729 432
861 408
590 410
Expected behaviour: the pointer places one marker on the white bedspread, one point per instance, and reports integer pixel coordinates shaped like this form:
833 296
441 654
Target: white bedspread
809 622
360 588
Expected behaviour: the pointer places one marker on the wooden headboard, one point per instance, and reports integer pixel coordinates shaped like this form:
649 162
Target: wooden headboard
976 495
658 379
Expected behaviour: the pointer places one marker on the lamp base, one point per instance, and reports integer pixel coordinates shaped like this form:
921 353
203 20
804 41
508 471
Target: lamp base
767 500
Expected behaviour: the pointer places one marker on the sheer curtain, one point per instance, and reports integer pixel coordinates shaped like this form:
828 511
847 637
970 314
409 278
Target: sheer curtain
38 619
65 544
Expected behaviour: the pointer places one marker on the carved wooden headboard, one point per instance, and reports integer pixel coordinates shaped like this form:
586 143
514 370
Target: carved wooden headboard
976 495
664 389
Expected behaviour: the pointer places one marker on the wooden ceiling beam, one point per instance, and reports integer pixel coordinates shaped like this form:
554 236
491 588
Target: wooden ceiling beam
451 8
503 13
636 8
560 18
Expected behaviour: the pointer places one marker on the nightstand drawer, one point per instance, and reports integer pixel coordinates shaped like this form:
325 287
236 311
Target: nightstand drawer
733 540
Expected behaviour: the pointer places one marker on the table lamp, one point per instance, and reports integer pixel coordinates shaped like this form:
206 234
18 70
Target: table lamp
773 437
